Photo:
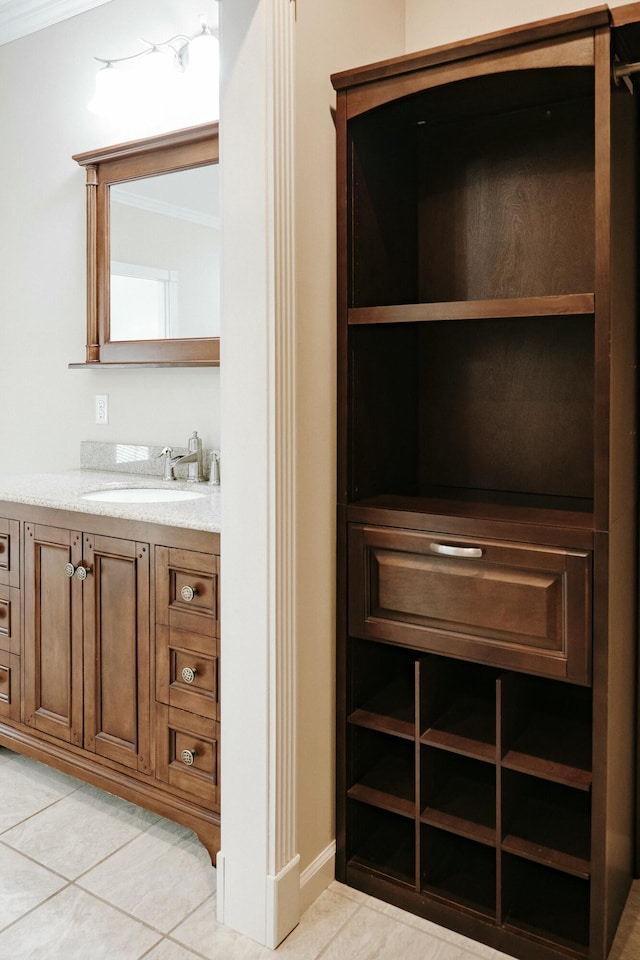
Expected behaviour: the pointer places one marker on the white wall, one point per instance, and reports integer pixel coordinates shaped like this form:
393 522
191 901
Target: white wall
46 80
445 21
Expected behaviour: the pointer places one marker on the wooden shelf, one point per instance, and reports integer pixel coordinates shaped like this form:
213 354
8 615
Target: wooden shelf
553 750
466 806
468 727
383 843
564 512
549 824
457 870
390 785
390 710
547 905
504 307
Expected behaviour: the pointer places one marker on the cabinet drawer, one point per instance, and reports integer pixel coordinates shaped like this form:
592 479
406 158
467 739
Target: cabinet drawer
188 754
9 685
9 619
9 552
187 671
187 590
512 605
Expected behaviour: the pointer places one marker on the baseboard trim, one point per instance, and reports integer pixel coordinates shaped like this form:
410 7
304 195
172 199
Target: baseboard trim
317 876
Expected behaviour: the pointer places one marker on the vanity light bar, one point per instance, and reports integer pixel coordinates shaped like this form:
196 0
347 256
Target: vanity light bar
179 66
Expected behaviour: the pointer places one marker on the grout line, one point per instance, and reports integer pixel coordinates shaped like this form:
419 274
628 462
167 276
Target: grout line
35 907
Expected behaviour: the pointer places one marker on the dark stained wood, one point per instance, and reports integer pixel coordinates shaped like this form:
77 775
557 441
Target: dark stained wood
462 49
513 605
506 307
487 276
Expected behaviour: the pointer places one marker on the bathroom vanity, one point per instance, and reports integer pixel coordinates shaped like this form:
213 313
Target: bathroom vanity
487 572
109 636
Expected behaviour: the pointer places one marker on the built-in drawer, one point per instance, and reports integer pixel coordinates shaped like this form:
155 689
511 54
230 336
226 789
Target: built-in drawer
9 685
187 671
187 590
512 605
9 619
9 552
188 753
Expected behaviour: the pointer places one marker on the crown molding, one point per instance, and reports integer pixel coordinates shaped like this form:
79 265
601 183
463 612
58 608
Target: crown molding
131 199
18 18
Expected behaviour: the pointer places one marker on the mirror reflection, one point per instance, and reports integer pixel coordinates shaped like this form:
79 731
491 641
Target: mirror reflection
165 256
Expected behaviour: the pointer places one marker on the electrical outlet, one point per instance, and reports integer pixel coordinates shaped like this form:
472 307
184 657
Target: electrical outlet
102 408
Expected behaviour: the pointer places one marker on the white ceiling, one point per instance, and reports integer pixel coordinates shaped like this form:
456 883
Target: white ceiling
21 17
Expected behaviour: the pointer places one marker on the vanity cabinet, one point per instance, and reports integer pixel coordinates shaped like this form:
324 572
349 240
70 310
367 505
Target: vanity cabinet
10 619
487 602
86 650
110 628
187 636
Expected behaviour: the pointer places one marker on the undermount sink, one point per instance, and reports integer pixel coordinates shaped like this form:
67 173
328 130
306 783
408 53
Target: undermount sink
142 495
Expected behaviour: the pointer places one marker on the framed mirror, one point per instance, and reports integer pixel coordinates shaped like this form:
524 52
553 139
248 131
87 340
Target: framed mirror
153 251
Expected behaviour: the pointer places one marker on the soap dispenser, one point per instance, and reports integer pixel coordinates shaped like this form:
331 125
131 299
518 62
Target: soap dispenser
195 473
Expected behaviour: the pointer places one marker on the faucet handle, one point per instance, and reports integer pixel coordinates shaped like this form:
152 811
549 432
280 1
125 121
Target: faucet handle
168 464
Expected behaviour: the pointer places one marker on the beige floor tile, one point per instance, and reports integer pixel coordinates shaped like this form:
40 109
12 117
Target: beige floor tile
626 945
318 926
433 929
202 933
23 885
371 935
170 950
75 926
160 877
79 831
27 787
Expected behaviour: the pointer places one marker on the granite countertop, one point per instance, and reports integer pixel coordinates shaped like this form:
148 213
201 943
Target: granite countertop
64 491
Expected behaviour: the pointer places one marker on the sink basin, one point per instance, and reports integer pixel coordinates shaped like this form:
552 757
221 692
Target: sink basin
142 495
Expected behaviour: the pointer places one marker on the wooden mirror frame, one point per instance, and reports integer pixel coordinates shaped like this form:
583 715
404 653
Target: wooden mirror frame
165 153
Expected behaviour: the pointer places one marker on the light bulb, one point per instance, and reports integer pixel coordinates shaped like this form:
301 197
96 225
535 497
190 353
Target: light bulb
203 74
109 91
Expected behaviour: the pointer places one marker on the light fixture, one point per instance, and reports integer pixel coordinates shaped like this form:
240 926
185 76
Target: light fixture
179 76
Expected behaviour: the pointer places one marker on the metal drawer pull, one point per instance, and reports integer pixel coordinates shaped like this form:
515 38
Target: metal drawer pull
187 593
448 550
83 572
189 674
69 569
188 756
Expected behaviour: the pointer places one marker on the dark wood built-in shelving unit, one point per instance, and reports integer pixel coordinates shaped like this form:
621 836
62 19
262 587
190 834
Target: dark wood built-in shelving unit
487 484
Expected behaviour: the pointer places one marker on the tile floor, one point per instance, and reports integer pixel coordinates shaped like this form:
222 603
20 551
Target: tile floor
86 876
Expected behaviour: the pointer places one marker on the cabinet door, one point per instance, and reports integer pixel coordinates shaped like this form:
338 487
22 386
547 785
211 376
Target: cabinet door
116 639
53 633
513 605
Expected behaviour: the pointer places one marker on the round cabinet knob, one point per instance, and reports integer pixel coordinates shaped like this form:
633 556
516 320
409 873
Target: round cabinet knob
189 674
69 569
83 572
187 757
187 593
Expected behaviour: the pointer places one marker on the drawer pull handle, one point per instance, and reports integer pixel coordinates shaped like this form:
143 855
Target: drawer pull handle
189 674
449 550
187 593
83 572
69 569
187 757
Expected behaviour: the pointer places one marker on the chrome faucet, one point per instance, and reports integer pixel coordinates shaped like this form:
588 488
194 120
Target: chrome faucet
170 462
